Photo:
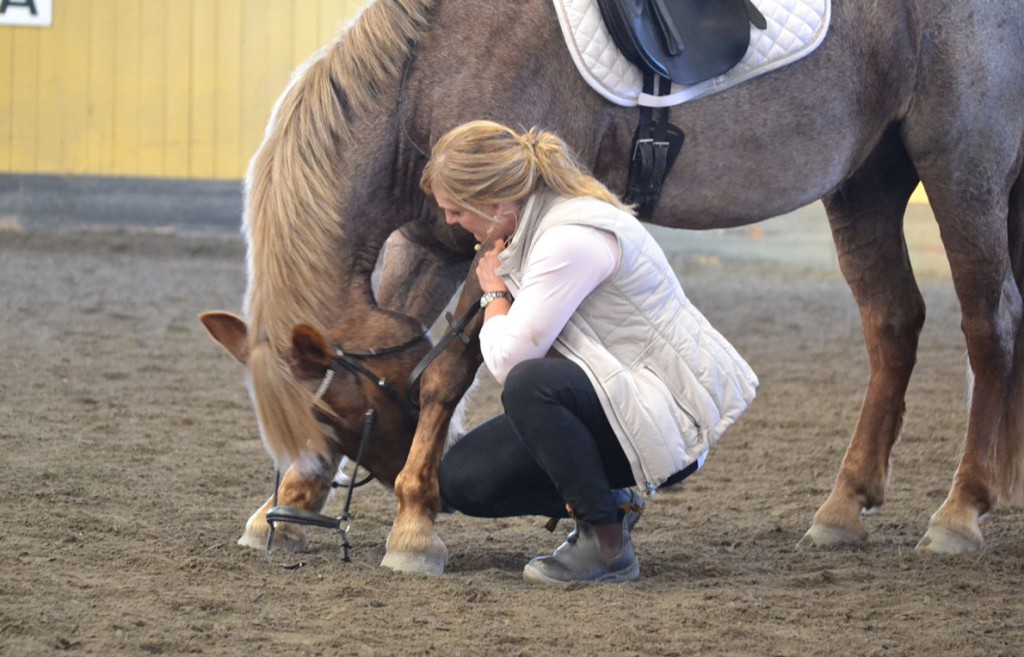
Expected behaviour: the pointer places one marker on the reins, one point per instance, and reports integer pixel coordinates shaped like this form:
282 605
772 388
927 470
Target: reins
456 329
409 406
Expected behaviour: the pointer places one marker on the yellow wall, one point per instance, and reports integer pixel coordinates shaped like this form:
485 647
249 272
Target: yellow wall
156 88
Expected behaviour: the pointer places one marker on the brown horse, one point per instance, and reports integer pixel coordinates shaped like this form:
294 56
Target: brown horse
899 92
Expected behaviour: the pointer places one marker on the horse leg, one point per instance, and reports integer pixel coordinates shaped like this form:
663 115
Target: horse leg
975 235
302 488
413 545
417 280
866 218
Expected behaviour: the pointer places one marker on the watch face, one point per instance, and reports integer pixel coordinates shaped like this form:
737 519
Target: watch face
488 297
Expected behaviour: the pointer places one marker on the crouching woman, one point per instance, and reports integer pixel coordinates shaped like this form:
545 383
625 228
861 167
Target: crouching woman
611 377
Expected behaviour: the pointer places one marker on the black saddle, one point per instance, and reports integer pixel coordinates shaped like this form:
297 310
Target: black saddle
687 41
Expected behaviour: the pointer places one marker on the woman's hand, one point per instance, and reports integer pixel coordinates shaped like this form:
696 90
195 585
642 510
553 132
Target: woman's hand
487 266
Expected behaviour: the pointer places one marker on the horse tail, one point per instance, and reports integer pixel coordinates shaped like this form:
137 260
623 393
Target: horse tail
1009 457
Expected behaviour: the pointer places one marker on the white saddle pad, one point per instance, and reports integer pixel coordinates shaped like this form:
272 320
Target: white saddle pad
795 29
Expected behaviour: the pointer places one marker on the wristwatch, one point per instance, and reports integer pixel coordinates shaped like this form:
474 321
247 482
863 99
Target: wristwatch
488 297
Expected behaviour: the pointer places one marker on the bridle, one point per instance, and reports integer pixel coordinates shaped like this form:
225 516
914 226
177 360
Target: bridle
351 361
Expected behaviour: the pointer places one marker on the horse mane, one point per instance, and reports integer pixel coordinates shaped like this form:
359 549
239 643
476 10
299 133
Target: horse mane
293 205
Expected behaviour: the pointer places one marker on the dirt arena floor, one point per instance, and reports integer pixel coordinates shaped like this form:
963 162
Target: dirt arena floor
130 461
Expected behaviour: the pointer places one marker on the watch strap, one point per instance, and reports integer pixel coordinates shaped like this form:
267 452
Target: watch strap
488 297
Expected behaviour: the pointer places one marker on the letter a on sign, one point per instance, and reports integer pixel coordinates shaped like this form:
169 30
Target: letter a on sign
33 13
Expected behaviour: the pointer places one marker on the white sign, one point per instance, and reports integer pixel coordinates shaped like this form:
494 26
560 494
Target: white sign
34 13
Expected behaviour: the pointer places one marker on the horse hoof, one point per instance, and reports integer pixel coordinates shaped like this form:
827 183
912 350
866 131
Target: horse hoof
943 540
829 536
252 541
286 537
416 562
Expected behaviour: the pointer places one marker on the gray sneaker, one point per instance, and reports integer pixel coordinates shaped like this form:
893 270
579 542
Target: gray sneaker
581 561
632 505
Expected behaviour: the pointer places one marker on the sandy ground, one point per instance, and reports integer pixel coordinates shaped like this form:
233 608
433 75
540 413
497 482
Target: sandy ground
131 461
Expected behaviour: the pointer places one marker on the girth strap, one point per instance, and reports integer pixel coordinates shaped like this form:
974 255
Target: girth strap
653 155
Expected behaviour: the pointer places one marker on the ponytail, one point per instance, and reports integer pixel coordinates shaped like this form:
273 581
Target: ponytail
483 162
561 172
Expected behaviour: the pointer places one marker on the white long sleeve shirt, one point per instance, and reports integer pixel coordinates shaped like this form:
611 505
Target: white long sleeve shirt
565 265
669 383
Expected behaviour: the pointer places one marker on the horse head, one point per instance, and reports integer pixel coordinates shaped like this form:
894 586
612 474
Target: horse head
340 387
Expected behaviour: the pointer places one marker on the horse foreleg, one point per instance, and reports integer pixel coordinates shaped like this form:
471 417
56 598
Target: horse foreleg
300 489
413 544
417 280
867 227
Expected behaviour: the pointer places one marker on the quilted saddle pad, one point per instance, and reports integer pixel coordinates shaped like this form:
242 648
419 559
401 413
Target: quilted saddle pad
795 29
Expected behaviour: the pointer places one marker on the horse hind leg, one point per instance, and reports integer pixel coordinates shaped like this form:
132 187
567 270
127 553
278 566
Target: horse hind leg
1010 461
981 235
866 218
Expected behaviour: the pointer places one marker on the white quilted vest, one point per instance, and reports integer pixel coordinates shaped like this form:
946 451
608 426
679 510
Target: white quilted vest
669 383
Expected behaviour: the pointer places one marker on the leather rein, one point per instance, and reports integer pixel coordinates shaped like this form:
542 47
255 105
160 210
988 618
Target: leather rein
409 404
351 361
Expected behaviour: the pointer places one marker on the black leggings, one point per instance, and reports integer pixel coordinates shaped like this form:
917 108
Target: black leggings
552 447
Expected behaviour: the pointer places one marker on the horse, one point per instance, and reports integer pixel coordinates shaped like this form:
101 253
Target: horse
898 93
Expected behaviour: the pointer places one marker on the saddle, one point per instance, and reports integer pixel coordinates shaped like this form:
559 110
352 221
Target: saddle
686 41
681 41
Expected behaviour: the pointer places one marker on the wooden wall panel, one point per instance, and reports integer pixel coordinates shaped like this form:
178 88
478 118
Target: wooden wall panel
202 128
39 126
103 76
255 77
69 145
153 88
6 97
178 66
128 119
25 109
228 157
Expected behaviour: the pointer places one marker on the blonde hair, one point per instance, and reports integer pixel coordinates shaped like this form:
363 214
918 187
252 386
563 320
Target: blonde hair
483 162
294 192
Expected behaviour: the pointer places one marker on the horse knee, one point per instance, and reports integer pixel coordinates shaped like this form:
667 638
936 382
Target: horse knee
412 484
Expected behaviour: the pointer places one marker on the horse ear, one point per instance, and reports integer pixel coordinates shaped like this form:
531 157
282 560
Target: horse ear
311 347
230 331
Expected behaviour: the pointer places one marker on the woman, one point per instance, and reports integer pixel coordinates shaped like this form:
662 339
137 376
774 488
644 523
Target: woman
643 386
